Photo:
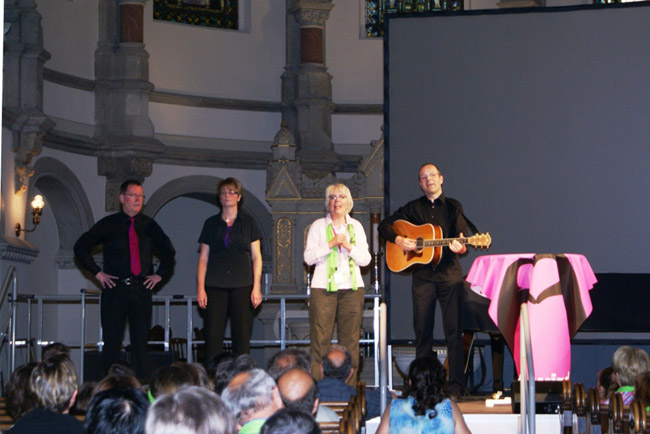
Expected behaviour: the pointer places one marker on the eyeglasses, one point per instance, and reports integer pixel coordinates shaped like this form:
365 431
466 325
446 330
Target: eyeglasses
429 175
337 196
228 193
134 195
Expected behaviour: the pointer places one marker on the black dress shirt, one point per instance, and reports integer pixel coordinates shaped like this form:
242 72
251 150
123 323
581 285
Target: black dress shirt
112 232
444 212
232 266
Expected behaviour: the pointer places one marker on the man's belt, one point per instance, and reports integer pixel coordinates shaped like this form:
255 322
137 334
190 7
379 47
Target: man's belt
131 280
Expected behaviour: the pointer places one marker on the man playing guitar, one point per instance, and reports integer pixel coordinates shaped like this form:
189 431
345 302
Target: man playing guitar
432 282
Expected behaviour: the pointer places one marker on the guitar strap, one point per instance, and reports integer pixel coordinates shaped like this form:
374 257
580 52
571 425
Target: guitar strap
472 226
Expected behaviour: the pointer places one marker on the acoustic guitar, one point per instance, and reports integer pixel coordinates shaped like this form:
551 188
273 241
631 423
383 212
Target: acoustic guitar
429 242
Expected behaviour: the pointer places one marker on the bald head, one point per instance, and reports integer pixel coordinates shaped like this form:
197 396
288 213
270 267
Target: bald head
299 390
337 363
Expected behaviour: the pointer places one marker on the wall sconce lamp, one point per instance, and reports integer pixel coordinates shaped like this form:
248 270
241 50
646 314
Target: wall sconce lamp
37 210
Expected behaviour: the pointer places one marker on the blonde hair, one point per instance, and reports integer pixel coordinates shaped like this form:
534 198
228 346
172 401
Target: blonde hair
342 187
54 382
629 362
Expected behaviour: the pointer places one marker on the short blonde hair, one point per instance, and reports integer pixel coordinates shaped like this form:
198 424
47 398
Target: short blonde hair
342 187
54 382
629 362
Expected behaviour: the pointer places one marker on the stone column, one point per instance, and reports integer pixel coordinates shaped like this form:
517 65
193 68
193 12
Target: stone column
125 131
22 106
283 195
311 89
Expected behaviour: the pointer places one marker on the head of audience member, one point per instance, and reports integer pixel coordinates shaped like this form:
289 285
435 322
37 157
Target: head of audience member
337 363
606 382
117 411
55 348
197 372
642 388
84 395
427 378
54 382
229 367
288 359
629 362
169 379
190 409
299 390
252 395
19 395
116 382
290 421
121 368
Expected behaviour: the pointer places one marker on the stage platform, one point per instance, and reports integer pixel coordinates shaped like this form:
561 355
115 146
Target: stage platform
491 420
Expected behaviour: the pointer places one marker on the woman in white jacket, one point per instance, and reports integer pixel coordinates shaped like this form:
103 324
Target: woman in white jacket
337 245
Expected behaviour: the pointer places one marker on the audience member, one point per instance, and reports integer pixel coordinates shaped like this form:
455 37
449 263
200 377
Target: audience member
54 382
290 421
229 367
117 411
55 348
191 409
336 367
84 395
19 395
299 391
121 368
167 380
287 359
642 389
606 383
252 397
116 382
425 407
627 363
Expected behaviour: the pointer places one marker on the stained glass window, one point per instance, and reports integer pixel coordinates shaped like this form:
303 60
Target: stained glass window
377 9
209 13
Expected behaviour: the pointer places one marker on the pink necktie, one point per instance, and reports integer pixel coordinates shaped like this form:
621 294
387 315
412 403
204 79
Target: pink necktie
134 249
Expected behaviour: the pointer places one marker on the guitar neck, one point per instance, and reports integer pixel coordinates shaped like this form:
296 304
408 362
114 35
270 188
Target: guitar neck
444 241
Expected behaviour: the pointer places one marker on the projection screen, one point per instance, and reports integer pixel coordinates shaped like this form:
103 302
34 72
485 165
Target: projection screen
539 120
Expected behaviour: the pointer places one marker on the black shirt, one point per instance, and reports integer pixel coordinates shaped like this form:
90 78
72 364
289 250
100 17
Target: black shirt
444 212
43 421
112 232
232 266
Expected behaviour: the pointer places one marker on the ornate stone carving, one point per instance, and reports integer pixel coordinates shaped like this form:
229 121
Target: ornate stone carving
119 169
283 253
313 13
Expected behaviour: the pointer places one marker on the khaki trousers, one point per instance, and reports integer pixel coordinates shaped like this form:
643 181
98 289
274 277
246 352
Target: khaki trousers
343 307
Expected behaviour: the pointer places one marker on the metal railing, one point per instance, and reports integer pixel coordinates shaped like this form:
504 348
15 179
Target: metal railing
88 296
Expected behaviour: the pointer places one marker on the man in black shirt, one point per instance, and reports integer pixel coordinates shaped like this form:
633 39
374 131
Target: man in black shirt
442 281
129 239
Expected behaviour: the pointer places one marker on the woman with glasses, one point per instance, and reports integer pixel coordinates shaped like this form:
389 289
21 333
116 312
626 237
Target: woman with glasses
229 273
337 246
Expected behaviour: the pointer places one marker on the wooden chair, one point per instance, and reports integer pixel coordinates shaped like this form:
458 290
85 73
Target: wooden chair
597 414
638 418
580 408
329 427
618 415
179 349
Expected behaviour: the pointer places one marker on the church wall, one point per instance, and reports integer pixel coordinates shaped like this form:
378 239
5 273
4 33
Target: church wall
70 32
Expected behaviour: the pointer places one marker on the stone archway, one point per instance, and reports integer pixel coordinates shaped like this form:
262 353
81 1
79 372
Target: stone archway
68 203
203 188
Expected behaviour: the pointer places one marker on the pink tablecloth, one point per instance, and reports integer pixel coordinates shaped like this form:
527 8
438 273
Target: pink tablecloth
556 288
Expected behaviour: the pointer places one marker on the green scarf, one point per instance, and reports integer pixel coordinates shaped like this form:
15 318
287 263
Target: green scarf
333 260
